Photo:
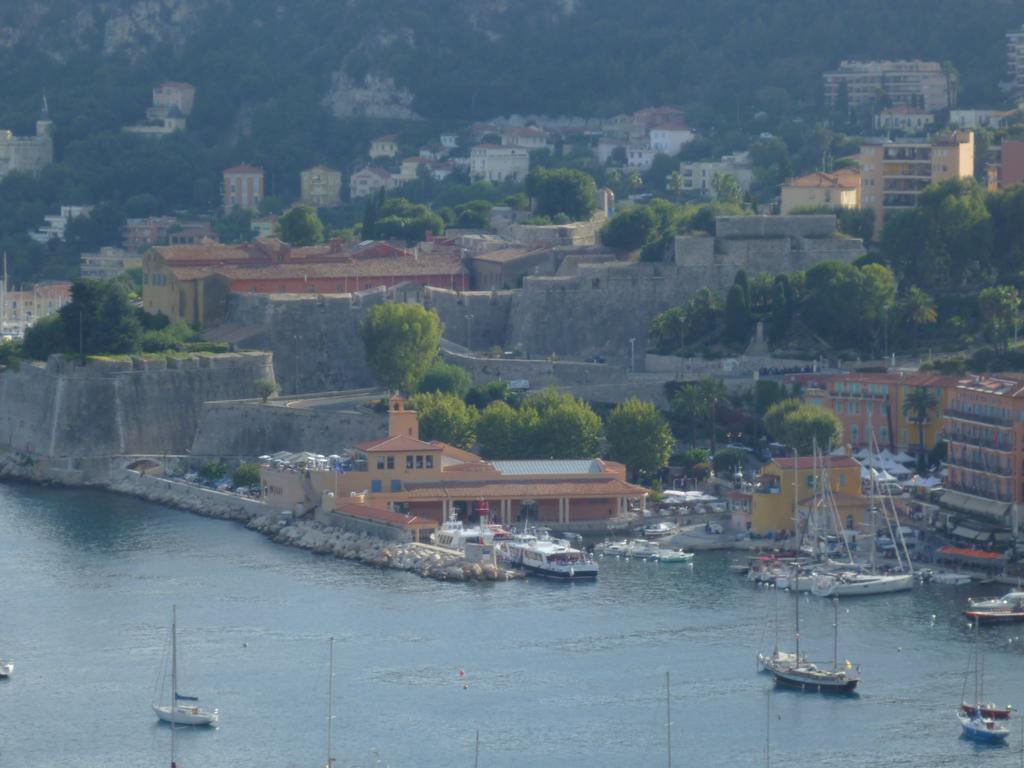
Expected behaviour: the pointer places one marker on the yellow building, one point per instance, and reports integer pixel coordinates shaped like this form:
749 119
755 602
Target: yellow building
822 190
783 480
869 403
433 480
893 172
321 186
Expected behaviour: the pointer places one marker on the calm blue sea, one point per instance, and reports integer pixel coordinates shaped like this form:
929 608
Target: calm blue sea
554 674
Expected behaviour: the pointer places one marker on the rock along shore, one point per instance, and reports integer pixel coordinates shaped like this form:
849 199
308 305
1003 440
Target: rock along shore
427 561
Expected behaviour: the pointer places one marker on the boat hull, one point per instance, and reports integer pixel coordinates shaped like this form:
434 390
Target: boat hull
6 669
989 617
881 586
186 715
573 574
813 684
985 731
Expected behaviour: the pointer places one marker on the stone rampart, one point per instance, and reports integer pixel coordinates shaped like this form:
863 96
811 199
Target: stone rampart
117 407
489 310
238 430
540 373
820 225
315 339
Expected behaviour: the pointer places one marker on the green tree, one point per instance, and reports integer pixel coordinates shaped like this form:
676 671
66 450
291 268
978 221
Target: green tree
701 315
235 226
674 183
918 403
713 394
630 229
482 396
400 342
301 226
875 298
737 316
728 460
568 428
213 471
666 332
444 416
265 388
778 326
767 393
476 214
918 309
100 320
1000 308
400 219
810 425
43 338
500 431
562 190
444 377
246 476
638 436
726 188
688 409
775 417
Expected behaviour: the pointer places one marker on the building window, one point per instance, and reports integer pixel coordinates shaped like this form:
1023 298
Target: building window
842 480
883 435
430 462
375 486
391 462
380 462
853 433
419 462
810 481
396 485
408 461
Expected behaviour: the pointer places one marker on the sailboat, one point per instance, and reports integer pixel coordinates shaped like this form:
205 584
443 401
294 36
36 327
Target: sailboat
976 724
330 710
805 675
765 661
182 710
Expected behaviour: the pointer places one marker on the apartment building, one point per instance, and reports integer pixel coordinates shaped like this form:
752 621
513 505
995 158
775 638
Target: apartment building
1015 59
243 187
984 427
321 186
698 175
894 171
921 84
495 163
872 404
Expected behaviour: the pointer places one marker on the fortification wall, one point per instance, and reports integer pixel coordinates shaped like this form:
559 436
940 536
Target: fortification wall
117 407
540 373
237 430
820 225
314 339
490 316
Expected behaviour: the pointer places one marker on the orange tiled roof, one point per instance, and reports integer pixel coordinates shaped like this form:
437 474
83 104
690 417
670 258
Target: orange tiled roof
397 443
244 168
382 515
823 180
526 487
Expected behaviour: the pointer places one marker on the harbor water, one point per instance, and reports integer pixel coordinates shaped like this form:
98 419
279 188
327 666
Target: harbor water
549 674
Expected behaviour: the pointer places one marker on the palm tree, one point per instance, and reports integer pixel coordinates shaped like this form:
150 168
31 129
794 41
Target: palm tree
918 403
712 393
918 309
688 407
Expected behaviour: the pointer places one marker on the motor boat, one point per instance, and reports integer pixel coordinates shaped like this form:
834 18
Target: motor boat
658 530
641 549
1009 607
6 668
929 576
1013 599
454 535
674 556
613 548
555 559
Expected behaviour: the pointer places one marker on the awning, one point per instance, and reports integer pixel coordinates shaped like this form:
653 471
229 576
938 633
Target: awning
975 505
964 533
975 554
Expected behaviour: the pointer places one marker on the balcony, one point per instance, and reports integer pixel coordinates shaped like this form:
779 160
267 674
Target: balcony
975 490
979 418
980 442
991 468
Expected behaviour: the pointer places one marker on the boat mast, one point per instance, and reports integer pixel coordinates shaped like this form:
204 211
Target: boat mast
330 707
768 728
977 691
174 677
835 633
797 584
476 753
668 715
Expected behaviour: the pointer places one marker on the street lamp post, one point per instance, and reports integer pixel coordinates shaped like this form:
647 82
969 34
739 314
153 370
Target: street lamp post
632 359
469 331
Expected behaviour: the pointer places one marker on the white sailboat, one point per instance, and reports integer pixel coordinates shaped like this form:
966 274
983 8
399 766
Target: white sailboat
182 710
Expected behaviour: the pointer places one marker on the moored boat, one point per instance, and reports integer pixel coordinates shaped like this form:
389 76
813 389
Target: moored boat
852 584
674 556
984 729
982 722
182 710
1009 607
554 559
6 668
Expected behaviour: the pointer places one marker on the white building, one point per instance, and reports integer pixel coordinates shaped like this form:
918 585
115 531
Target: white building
904 118
370 181
1015 59
28 154
491 162
384 146
697 176
107 262
449 140
970 119
55 225
528 138
640 157
669 138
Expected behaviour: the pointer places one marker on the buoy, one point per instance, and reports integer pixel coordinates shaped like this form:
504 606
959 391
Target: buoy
899 649
245 645
465 686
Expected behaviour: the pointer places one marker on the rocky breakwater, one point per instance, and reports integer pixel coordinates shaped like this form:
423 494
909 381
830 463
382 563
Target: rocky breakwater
427 561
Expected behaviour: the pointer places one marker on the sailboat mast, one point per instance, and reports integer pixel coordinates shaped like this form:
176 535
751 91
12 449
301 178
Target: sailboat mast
768 729
174 677
330 707
796 581
476 752
977 692
668 715
835 633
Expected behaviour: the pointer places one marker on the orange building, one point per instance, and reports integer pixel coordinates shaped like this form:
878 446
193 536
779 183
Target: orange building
433 480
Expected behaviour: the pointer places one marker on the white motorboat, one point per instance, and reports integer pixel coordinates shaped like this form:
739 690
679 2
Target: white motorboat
674 556
658 530
454 535
642 549
1010 601
6 668
613 548
182 710
928 576
555 559
852 583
